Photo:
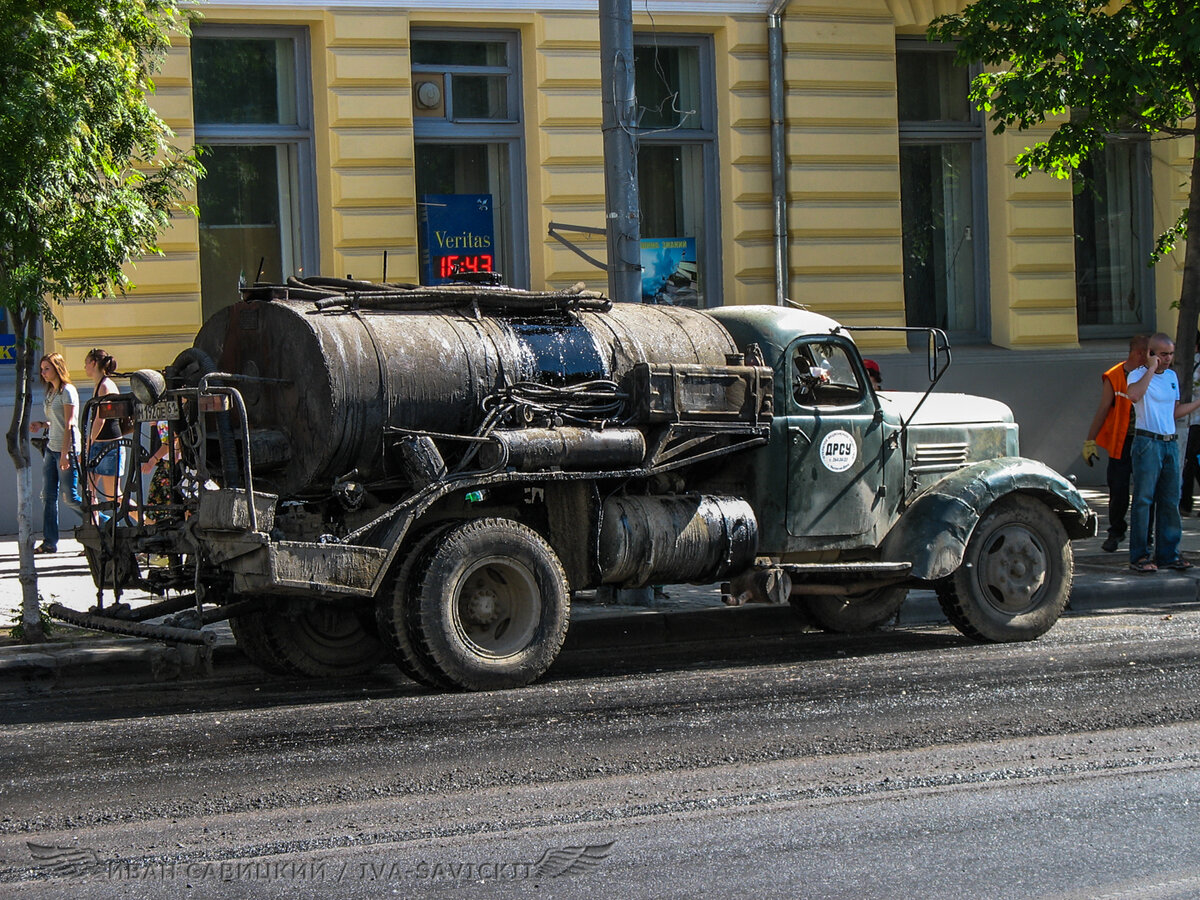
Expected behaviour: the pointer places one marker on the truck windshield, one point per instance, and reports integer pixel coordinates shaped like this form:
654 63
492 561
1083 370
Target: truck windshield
823 375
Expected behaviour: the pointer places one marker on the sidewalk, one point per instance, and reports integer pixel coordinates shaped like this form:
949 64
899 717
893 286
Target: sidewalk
1102 582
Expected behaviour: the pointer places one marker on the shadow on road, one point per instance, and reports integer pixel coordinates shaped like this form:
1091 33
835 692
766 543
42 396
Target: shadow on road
244 687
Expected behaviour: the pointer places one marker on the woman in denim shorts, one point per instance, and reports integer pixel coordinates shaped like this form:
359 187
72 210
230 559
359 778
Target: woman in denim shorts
106 453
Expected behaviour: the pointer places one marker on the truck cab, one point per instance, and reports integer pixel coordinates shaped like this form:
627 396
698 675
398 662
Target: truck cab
896 477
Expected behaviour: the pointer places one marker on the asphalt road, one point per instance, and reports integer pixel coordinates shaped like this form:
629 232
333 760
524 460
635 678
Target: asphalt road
909 762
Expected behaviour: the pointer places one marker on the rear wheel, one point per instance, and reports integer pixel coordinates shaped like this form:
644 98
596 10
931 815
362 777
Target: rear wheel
493 605
251 637
1015 576
854 612
315 640
396 614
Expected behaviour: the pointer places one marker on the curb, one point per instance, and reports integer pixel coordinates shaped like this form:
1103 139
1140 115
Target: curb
1103 585
1118 590
122 660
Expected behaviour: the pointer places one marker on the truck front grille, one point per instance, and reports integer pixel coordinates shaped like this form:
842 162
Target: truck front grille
939 457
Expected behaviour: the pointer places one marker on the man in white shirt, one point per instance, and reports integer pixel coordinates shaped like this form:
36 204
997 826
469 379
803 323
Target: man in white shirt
1154 391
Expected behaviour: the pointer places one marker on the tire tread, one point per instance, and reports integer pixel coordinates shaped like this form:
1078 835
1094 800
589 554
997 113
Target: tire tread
433 573
953 591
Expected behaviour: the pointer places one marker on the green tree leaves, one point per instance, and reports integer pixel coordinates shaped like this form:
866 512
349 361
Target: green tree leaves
88 178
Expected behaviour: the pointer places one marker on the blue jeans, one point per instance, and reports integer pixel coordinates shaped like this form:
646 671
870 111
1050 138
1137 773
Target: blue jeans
52 479
1155 484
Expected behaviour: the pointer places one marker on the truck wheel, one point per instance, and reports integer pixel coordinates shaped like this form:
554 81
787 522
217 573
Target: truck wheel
251 637
321 640
493 605
396 615
1015 577
855 612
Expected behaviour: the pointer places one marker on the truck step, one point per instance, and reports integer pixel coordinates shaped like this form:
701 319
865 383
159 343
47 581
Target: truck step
847 569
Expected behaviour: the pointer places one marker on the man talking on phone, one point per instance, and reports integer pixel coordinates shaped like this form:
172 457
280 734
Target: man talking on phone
1154 391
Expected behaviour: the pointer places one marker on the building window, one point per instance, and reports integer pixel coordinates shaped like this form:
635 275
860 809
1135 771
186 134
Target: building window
677 170
469 155
1114 283
942 205
253 112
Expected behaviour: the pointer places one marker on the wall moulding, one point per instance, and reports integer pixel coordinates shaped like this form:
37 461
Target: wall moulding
657 7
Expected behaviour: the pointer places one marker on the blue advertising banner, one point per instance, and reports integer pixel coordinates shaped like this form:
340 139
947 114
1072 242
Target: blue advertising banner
457 234
8 349
669 271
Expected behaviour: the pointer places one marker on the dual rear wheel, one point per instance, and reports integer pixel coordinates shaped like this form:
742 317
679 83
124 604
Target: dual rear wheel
318 640
481 605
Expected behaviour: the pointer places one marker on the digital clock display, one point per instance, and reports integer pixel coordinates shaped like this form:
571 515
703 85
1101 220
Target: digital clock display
462 263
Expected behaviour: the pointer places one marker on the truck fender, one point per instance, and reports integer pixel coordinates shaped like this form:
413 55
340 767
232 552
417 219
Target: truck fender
933 532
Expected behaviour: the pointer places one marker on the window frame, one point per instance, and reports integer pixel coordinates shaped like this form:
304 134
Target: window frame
510 131
920 132
1143 214
705 137
299 136
798 385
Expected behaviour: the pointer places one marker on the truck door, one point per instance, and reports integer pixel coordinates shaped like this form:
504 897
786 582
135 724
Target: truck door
835 441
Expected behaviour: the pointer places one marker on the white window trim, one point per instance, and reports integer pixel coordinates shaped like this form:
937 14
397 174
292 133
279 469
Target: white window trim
487 131
924 133
704 135
299 135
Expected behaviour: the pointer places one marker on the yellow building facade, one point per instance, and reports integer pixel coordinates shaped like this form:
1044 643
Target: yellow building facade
901 205
845 242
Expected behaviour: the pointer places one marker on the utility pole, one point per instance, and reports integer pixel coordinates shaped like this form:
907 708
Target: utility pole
622 215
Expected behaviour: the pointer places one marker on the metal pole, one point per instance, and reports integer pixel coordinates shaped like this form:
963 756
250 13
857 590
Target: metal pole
778 146
620 150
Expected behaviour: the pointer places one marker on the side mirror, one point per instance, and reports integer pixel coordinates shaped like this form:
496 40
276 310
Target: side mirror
937 354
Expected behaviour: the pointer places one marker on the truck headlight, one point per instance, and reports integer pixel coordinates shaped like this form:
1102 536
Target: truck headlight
148 385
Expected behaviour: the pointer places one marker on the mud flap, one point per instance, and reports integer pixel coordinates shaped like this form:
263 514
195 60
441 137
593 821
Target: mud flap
116 571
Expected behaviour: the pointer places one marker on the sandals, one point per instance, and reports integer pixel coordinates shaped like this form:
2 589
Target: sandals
1144 566
45 548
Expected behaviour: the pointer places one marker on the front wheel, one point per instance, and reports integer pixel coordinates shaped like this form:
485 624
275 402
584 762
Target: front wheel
493 605
1015 577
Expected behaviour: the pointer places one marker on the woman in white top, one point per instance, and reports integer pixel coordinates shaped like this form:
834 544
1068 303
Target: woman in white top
60 460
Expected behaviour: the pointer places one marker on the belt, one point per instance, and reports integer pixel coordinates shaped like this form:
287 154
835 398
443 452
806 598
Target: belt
1153 435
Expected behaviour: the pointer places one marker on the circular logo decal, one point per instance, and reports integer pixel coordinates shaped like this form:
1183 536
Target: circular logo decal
838 451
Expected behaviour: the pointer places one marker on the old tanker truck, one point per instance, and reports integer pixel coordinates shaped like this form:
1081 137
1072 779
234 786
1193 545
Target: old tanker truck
364 471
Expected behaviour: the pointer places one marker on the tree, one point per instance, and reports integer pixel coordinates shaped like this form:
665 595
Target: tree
88 179
1114 67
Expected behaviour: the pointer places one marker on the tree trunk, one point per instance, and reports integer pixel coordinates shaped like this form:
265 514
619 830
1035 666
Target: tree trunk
1189 295
17 440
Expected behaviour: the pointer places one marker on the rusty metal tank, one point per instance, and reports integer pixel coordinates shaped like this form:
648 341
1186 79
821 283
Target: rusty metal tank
347 374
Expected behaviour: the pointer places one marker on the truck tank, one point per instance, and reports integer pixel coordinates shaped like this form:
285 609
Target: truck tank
326 383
